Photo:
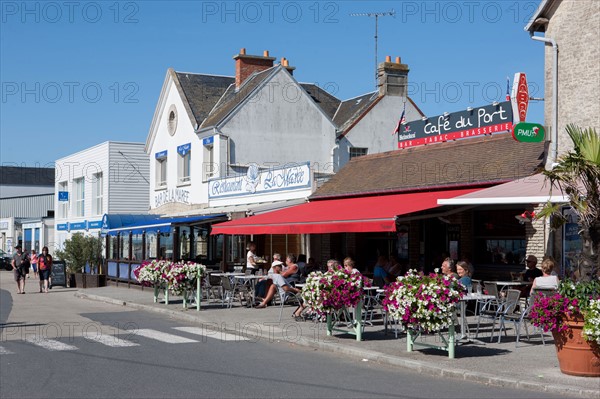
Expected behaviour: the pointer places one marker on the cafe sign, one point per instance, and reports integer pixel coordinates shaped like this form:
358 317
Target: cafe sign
167 196
473 122
520 97
528 132
256 181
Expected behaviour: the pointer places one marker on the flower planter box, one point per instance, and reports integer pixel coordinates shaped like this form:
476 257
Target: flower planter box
79 280
84 280
95 280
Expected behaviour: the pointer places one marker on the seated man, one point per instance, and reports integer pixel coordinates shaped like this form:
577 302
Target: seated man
279 284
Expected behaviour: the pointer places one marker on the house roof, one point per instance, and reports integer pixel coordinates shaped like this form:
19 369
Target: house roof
328 103
351 109
545 9
210 98
26 176
474 161
202 92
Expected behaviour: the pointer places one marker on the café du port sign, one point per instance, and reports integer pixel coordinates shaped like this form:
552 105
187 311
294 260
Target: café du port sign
488 119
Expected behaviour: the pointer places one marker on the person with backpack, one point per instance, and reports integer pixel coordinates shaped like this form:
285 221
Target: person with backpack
20 265
44 267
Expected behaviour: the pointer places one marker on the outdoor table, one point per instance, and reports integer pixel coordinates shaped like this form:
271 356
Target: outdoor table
463 310
227 274
300 285
504 285
252 278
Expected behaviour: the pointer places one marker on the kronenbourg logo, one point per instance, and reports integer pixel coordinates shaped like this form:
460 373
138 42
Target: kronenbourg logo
252 178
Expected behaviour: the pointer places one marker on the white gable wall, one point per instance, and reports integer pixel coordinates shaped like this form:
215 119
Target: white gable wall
280 124
374 130
164 141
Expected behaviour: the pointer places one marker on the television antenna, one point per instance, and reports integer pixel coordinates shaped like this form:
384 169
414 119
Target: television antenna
390 13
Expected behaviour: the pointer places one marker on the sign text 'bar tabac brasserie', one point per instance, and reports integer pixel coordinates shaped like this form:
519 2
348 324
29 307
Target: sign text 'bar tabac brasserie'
457 125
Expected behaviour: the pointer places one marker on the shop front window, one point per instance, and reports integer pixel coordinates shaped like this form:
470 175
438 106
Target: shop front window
201 243
124 246
499 237
136 242
151 245
185 243
112 247
166 246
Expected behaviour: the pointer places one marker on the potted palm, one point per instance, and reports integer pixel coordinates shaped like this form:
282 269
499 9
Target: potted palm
571 312
79 251
74 254
93 248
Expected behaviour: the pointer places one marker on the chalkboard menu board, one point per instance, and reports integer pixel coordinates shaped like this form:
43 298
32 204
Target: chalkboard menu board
58 274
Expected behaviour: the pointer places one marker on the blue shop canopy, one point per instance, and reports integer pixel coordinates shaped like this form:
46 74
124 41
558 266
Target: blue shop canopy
138 224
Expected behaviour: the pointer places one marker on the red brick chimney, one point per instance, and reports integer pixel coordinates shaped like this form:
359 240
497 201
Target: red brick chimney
246 65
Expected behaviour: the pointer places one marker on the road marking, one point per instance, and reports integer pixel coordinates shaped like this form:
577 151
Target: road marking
161 336
223 336
4 351
110 340
51 344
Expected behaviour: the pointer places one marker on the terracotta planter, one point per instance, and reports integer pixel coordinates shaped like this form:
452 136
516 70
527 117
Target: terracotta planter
576 356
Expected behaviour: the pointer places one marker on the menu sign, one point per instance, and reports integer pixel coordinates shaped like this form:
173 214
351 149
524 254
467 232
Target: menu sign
457 125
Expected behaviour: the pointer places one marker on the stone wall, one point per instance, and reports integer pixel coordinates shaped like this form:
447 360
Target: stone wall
575 25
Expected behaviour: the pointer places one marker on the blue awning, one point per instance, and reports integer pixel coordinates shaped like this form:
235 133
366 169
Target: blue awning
138 224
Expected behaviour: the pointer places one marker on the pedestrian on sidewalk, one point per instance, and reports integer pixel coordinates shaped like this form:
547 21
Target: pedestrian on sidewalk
45 266
20 265
33 259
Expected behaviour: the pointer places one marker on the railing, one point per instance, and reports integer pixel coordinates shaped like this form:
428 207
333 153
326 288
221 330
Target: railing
121 271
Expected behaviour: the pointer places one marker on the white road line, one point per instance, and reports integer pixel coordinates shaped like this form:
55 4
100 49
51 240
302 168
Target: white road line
51 344
4 351
222 336
161 336
110 340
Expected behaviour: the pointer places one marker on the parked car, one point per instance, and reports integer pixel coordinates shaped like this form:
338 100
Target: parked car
5 261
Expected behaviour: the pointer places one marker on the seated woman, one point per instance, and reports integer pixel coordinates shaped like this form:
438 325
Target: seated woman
279 284
547 280
463 269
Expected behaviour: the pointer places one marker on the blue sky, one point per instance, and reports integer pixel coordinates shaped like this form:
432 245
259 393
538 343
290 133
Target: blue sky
75 74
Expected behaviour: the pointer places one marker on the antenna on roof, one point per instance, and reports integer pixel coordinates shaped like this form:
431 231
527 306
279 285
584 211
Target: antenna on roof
390 13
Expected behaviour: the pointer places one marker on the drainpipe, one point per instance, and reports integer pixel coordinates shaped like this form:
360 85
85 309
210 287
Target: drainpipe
333 157
554 146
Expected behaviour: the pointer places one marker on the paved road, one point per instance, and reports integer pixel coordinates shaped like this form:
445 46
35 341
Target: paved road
105 351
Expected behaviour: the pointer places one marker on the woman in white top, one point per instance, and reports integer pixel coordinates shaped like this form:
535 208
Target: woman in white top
251 256
546 281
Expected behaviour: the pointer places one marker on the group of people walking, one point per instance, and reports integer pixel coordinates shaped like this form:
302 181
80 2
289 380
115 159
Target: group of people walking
41 265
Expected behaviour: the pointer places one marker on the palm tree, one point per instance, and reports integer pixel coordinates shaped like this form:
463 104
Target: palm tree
577 174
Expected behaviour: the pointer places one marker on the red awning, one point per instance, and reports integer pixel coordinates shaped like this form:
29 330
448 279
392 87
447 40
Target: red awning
347 215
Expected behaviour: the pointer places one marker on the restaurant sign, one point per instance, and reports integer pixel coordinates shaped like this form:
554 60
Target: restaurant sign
172 195
528 132
457 125
257 181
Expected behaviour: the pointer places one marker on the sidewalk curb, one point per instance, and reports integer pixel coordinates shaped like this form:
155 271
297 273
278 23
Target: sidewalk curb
382 358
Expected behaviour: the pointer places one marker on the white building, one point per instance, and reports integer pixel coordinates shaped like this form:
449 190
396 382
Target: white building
26 195
109 178
208 127
231 146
